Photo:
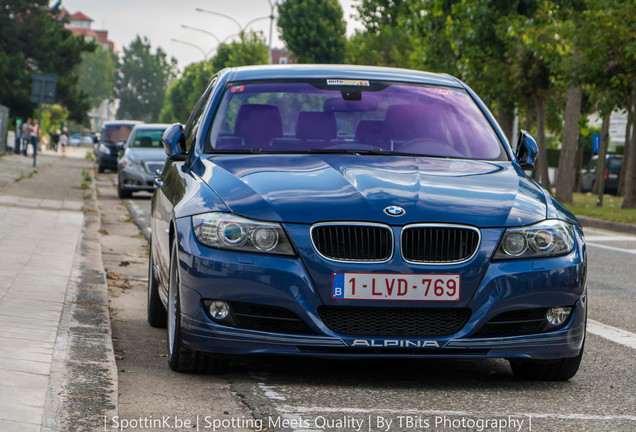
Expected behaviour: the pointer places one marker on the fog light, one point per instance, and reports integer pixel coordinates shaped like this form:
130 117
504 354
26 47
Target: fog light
219 309
558 315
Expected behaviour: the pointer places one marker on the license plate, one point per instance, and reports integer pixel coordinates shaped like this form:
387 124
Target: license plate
379 286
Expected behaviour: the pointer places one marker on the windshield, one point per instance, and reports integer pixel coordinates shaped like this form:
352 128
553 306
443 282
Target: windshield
352 116
147 139
115 132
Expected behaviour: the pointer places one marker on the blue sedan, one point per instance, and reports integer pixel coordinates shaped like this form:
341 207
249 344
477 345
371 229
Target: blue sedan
359 212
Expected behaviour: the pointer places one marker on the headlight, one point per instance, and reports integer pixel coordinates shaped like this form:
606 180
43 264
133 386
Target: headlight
127 160
103 148
545 239
228 231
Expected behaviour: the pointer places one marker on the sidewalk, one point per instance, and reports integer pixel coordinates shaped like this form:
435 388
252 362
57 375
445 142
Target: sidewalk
52 333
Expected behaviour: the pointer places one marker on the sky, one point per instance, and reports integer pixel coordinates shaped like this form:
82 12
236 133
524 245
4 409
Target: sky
162 22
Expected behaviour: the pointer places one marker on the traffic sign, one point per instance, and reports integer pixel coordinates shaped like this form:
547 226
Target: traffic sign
596 140
44 88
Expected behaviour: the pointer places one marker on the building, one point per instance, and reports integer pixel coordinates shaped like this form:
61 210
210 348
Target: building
281 56
80 24
618 126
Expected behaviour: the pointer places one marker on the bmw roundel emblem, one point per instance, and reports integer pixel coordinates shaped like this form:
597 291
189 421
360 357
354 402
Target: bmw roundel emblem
394 211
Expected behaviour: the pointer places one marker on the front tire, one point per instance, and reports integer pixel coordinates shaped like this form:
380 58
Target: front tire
121 192
180 357
547 370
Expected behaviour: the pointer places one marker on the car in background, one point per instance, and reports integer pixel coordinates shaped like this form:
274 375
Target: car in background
613 165
82 139
359 212
111 140
142 156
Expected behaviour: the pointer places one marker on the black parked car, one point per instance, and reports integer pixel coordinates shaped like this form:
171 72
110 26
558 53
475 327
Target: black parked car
613 164
112 139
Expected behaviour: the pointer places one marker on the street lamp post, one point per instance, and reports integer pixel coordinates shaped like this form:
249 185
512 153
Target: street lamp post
272 5
218 41
222 15
205 54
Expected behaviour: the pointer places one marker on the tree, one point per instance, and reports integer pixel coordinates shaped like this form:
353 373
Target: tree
314 30
571 15
33 39
142 80
250 50
485 37
97 74
391 34
185 91
54 118
607 30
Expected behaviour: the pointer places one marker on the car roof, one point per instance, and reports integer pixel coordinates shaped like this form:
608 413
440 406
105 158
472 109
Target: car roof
152 126
273 72
122 122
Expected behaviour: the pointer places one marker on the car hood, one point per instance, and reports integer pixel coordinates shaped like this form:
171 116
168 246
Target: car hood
311 188
146 154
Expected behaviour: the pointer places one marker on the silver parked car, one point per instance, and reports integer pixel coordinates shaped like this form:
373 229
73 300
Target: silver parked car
142 155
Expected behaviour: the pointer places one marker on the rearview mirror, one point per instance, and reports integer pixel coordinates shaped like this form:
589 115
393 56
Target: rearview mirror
527 150
173 141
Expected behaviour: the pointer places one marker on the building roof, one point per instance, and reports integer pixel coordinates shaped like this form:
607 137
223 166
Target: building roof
79 16
84 32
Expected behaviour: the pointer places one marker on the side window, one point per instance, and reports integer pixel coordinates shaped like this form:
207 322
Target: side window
192 126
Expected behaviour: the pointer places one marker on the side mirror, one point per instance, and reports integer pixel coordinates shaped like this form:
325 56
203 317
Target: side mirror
173 141
527 150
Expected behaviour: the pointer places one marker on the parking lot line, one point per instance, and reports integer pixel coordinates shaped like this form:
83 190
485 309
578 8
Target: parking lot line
613 334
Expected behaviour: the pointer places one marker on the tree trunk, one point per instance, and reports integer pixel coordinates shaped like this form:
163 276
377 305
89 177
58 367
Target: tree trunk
529 121
630 165
579 162
542 160
506 119
599 182
567 159
628 129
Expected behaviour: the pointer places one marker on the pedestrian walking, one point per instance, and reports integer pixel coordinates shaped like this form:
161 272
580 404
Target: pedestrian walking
18 135
56 139
26 135
35 134
63 141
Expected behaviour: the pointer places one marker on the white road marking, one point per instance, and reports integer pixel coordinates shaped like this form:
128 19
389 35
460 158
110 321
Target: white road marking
609 238
270 392
613 334
379 411
615 249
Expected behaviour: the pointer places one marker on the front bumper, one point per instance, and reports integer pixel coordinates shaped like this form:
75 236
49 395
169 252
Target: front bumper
284 282
135 179
106 161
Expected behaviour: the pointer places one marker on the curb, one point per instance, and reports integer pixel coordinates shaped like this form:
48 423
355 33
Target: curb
83 385
588 222
139 218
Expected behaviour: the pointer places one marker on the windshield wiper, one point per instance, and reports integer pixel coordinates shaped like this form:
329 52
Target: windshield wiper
241 151
352 151
373 151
